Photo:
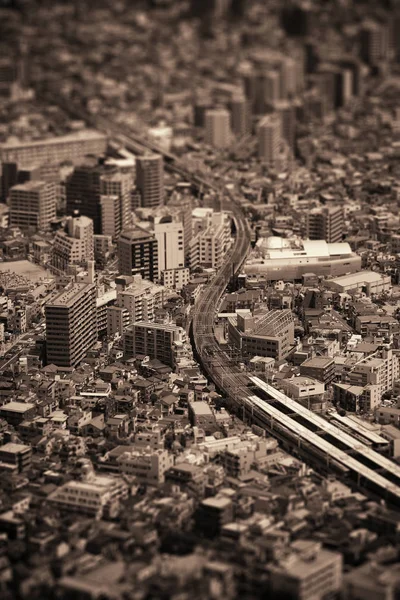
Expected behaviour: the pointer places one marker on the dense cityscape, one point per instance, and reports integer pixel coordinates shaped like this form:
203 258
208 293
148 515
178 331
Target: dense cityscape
199 300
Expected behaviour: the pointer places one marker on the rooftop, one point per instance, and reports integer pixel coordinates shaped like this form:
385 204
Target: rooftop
67 298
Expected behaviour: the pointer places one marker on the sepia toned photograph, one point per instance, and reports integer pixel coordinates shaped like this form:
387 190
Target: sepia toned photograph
199 299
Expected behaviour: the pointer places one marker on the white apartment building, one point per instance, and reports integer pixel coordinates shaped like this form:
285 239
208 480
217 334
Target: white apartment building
92 497
141 299
146 464
381 369
75 245
170 239
175 279
218 128
110 215
212 240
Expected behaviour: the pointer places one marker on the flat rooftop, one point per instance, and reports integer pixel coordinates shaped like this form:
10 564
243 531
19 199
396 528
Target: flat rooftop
67 298
83 135
357 278
17 407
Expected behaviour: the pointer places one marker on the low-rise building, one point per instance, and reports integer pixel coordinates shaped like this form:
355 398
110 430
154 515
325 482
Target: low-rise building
146 464
319 367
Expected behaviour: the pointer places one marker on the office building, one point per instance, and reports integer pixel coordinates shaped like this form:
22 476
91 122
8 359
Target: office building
32 205
71 326
240 116
170 240
269 334
374 42
116 184
269 134
325 223
277 258
161 341
72 147
306 572
138 253
141 299
75 245
217 128
150 179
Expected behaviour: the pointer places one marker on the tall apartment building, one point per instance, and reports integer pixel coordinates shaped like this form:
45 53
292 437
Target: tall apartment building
150 179
72 147
33 204
161 341
71 326
118 320
270 140
217 128
75 245
141 299
138 253
170 239
287 113
211 242
374 42
261 89
83 191
111 223
240 115
325 223
117 184
182 203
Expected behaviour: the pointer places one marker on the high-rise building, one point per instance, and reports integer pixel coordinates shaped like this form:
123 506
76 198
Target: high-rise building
83 191
110 209
141 299
118 184
262 88
72 147
161 341
217 126
33 204
138 253
150 179
211 240
170 239
71 325
325 223
287 113
374 42
240 115
270 139
75 245
182 203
